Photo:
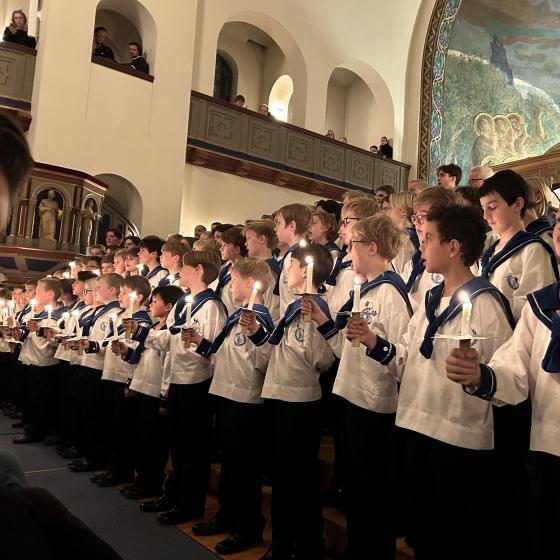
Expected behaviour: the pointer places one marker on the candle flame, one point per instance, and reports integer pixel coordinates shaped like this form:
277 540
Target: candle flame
257 285
188 299
113 316
2 303
48 307
140 267
33 301
357 281
72 264
132 295
464 297
303 243
66 315
65 275
12 304
309 260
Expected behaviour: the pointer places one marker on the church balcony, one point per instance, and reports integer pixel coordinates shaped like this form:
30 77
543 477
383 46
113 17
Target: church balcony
17 71
227 138
53 219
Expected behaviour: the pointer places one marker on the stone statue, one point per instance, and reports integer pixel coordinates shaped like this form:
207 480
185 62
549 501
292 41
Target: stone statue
88 217
49 214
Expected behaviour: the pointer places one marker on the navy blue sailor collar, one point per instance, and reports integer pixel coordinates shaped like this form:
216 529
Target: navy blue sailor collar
198 301
290 250
151 273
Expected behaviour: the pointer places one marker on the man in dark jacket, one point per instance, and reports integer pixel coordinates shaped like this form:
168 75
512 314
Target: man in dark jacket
138 61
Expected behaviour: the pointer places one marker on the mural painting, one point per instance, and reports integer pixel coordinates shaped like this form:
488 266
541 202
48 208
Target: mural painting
501 82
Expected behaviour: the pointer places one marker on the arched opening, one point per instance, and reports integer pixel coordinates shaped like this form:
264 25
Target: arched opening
47 222
279 98
263 52
224 78
125 21
122 207
359 105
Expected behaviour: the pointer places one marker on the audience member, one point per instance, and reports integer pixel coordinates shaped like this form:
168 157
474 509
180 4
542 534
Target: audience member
343 139
96 250
263 110
478 174
219 230
449 176
385 149
113 239
330 134
417 185
374 149
198 230
382 193
16 32
330 207
131 241
239 101
99 47
138 62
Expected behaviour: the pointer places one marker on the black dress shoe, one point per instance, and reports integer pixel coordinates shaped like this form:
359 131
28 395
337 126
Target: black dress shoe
26 438
140 492
71 453
96 477
214 526
85 466
156 506
177 515
236 543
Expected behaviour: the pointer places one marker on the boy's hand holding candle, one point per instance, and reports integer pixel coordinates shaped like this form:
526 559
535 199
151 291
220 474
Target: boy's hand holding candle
310 308
190 336
247 312
463 366
358 329
248 323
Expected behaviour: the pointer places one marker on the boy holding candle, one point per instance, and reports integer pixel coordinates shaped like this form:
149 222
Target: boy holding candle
299 357
134 292
148 256
527 364
146 386
240 362
102 295
188 407
172 259
448 436
291 224
37 354
368 391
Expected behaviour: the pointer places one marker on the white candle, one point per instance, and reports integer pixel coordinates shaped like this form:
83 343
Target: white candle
72 265
97 272
466 316
48 308
140 268
357 287
66 275
33 303
2 311
309 280
303 243
254 293
76 315
132 301
11 309
114 323
188 300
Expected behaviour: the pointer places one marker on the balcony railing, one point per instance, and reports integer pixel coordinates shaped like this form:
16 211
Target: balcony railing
17 70
233 140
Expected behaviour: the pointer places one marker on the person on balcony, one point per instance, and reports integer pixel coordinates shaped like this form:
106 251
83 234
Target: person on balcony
16 32
385 149
99 47
138 62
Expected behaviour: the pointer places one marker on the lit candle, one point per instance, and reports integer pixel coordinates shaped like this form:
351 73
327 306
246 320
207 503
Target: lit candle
254 293
11 309
466 316
132 301
76 316
48 308
2 311
357 287
114 324
66 317
33 303
309 280
66 275
140 268
97 272
303 243
72 265
188 300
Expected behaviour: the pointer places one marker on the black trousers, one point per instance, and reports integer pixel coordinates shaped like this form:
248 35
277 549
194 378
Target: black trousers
190 428
450 491
369 448
42 399
151 441
119 427
545 504
297 517
63 400
512 428
21 380
73 411
94 417
240 478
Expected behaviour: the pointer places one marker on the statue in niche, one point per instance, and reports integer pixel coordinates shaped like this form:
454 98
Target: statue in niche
49 214
89 215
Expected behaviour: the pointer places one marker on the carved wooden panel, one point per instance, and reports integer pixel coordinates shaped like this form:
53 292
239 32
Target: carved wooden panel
9 73
387 174
299 151
263 139
330 161
359 169
224 127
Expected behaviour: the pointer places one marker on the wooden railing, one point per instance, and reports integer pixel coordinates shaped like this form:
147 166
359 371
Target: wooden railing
227 138
17 70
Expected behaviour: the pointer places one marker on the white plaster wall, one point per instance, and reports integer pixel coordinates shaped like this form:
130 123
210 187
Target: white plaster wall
213 196
336 110
361 115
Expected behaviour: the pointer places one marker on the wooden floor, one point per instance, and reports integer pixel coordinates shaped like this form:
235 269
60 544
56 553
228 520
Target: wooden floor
335 522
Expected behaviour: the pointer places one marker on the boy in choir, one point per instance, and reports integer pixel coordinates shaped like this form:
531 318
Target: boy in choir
299 357
132 261
107 264
260 240
528 364
448 434
417 280
291 224
102 295
119 262
148 255
172 259
37 353
232 250
188 407
519 262
536 220
400 207
240 364
145 388
92 263
133 294
368 391
324 230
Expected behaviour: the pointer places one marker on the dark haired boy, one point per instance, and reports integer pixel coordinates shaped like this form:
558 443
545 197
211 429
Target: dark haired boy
447 436
299 357
188 407
148 383
148 255
449 176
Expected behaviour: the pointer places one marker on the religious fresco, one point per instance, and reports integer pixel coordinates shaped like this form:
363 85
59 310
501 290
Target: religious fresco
496 82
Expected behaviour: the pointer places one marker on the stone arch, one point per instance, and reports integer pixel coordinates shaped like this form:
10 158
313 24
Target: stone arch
123 203
294 65
365 97
280 97
128 20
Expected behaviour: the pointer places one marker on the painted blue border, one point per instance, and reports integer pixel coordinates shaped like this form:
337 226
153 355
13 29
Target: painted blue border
8 102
